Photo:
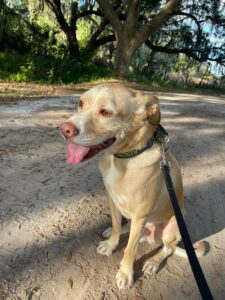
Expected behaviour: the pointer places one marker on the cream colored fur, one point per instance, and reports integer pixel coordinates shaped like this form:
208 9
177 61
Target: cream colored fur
135 186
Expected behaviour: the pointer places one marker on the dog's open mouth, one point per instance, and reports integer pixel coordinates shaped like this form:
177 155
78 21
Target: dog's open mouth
77 153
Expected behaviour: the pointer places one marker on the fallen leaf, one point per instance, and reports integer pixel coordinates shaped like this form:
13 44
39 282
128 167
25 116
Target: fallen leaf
69 256
33 291
56 228
137 297
102 296
46 180
70 282
41 234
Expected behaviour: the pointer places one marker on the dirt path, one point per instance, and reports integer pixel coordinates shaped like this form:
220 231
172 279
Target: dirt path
52 214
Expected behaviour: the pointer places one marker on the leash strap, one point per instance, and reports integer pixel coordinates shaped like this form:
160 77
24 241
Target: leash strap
193 260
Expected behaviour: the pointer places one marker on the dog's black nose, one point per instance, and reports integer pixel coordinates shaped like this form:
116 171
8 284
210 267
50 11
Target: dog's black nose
68 129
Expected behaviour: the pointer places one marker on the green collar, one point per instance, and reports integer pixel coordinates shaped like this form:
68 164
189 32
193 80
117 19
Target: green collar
160 136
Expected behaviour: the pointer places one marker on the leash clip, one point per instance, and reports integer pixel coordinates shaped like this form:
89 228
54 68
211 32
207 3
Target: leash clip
164 147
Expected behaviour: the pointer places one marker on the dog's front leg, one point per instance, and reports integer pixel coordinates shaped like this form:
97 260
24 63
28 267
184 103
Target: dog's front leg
124 276
106 247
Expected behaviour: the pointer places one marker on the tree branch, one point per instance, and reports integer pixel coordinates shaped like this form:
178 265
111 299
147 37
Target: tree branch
55 6
156 22
189 52
132 17
101 41
110 14
73 16
196 22
89 12
96 34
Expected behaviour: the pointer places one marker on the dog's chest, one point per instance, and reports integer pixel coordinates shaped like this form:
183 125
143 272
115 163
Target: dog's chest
113 180
115 183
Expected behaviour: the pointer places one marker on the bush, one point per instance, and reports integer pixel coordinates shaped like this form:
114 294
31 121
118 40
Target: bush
48 69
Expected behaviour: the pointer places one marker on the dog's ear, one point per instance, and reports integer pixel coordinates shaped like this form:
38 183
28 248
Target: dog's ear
153 110
148 107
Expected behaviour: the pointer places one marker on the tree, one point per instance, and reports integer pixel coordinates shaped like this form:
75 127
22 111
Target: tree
17 33
68 27
68 13
22 30
196 30
132 26
193 28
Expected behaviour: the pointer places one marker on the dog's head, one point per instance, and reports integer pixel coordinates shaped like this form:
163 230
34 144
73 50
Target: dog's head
107 117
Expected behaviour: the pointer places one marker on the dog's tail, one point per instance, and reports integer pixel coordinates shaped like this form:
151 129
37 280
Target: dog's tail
200 250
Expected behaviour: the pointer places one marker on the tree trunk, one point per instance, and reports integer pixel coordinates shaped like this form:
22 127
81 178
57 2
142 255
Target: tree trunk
68 29
122 58
73 47
125 48
121 64
129 37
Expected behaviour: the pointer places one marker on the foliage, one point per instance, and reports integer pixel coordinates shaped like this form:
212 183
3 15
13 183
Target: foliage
58 40
195 29
22 33
84 29
48 69
42 69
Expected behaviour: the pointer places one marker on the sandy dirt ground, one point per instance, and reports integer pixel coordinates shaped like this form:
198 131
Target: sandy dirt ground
52 214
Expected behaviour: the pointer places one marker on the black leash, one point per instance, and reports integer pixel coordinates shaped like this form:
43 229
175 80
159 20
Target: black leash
193 260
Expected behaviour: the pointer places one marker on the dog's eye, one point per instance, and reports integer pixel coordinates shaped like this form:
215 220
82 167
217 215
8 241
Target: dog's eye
106 113
81 104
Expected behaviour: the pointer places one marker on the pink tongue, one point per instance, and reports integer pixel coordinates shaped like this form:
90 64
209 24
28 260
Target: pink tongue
75 153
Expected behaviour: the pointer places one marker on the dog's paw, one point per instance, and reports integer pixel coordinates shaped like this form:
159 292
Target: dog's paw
107 233
124 279
151 267
106 247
